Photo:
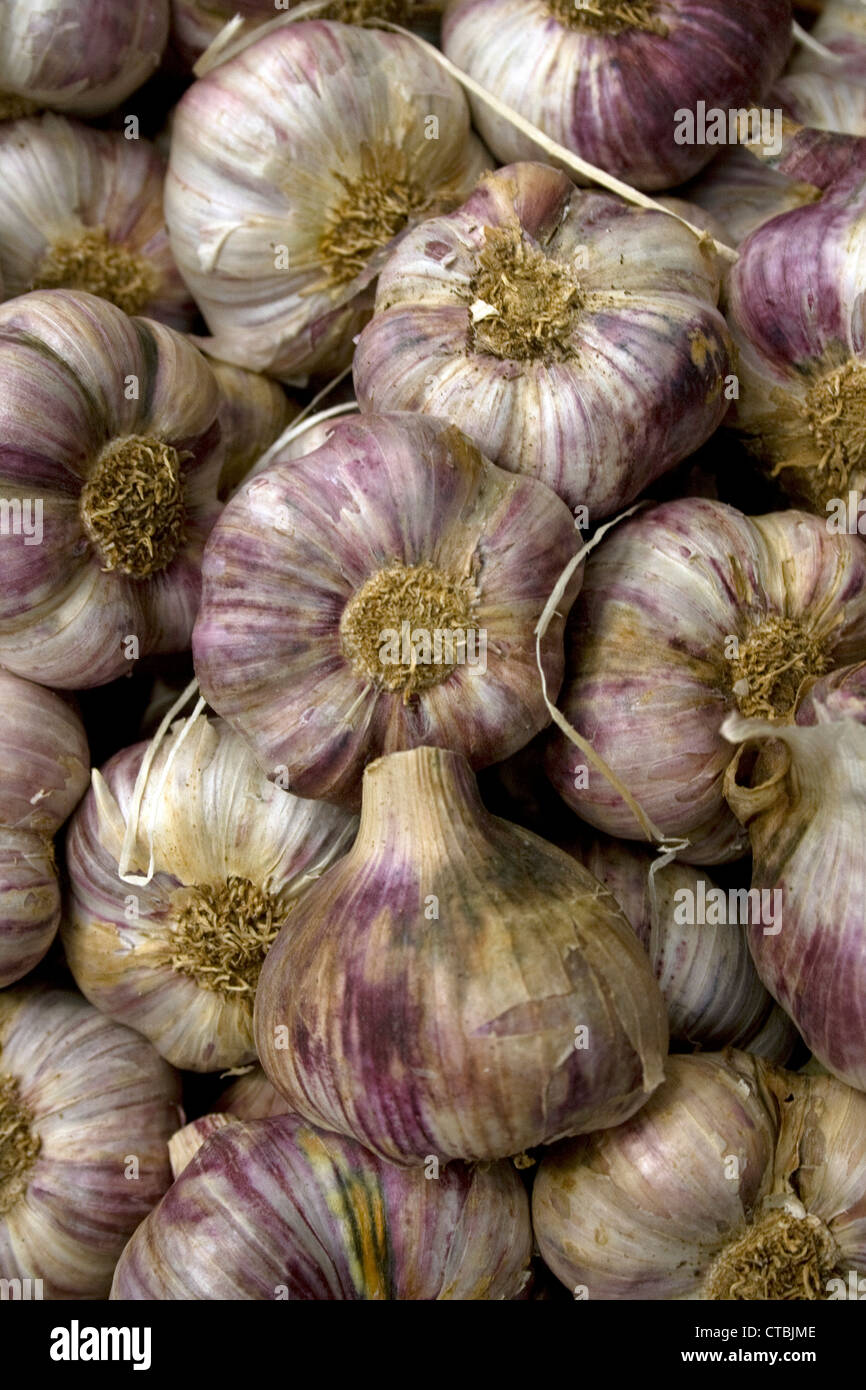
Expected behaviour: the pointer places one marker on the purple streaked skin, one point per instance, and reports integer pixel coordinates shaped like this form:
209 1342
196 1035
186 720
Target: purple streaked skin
648 682
643 386
613 99
300 1214
300 539
65 358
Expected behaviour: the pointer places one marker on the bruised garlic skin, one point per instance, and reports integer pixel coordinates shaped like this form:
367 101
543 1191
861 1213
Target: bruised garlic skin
456 986
804 803
96 572
254 412
689 612
572 337
81 56
86 1112
298 1214
392 537
178 957
45 762
293 167
607 80
737 1180
705 972
794 304
82 210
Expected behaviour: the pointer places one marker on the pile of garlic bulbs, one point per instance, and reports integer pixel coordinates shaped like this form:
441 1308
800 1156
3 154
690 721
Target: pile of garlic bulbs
432 650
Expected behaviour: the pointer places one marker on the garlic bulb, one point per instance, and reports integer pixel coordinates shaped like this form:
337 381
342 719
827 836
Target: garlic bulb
841 27
86 1111
570 336
611 80
252 1097
293 167
196 23
456 986
737 1180
415 573
742 192
82 56
688 612
298 1214
690 929
98 572
804 803
177 954
254 412
824 102
82 210
45 761
794 304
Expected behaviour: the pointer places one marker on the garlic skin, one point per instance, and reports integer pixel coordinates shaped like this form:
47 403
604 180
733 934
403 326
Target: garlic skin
742 192
86 1112
607 80
177 957
704 970
95 574
196 23
254 412
823 102
802 369
737 1180
299 1214
804 804
841 27
293 167
81 56
45 762
252 1097
82 210
688 612
426 997
396 526
570 336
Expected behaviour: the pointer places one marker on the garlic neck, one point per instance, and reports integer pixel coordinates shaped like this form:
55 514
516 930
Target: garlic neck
90 261
786 1254
536 300
19 1145
132 506
776 656
424 802
609 17
222 933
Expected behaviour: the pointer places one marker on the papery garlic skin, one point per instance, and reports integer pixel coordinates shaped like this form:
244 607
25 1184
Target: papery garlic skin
177 958
456 986
608 80
81 56
254 412
45 763
600 364
742 192
395 526
705 972
88 1157
96 574
840 27
82 209
293 167
688 612
793 302
252 1097
804 803
825 102
736 1180
296 1213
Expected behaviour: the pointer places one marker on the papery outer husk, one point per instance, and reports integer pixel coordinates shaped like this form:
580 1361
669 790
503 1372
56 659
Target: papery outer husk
59 177
64 361
302 105
455 1035
705 972
792 328
99 1096
741 192
299 1214
613 99
45 771
651 350
303 537
215 816
196 23
641 1211
255 411
804 802
647 680
186 1142
826 103
81 56
252 1097
841 27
